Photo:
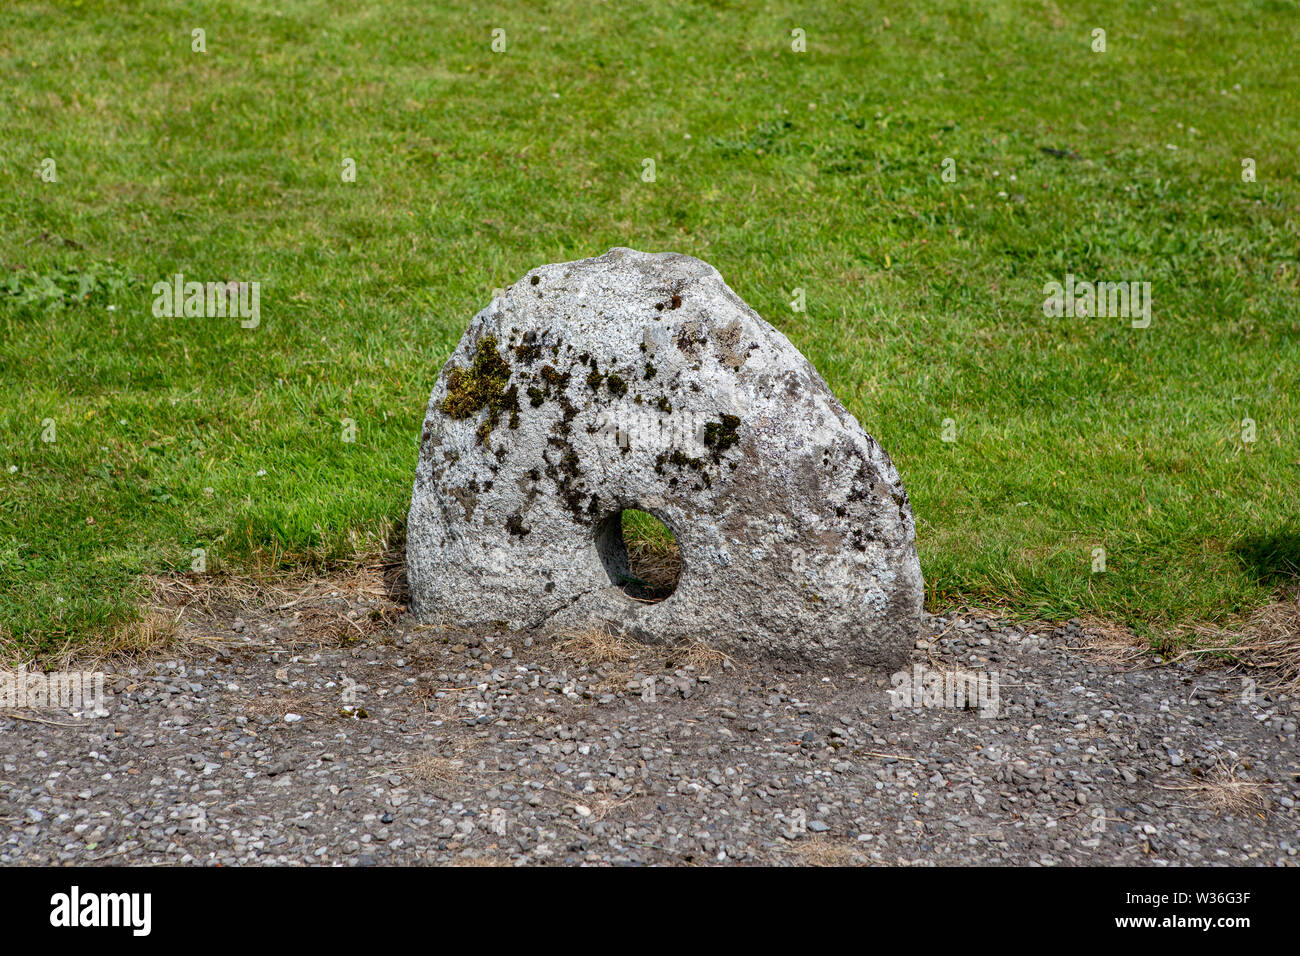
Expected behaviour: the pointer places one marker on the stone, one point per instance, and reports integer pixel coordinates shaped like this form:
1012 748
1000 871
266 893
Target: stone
637 380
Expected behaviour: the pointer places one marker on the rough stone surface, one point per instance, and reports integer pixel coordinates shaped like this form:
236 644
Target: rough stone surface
642 381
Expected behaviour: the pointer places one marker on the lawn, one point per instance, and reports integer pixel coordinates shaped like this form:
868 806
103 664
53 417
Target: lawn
133 444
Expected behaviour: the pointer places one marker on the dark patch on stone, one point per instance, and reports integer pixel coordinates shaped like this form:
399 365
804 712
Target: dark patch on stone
564 425
727 344
467 499
553 385
861 484
529 349
680 460
721 435
567 475
690 337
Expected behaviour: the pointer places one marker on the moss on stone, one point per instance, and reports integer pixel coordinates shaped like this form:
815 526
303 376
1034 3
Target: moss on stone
719 436
554 379
485 384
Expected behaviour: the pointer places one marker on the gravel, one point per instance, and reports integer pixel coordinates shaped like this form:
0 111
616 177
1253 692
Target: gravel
260 745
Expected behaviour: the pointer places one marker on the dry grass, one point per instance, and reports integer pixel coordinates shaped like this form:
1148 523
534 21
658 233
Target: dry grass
312 606
180 612
1226 792
819 851
284 589
1268 642
12 654
657 563
440 708
432 768
596 646
465 859
1108 643
132 642
605 804
277 706
700 656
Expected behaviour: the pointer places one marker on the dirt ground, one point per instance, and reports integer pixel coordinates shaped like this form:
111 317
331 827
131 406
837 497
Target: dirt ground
316 723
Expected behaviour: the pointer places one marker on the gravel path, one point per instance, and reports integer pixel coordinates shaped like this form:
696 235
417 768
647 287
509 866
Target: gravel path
263 743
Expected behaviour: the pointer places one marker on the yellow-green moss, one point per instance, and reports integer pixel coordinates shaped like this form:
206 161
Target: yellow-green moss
485 384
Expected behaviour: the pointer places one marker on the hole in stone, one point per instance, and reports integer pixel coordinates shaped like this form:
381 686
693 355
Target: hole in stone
640 554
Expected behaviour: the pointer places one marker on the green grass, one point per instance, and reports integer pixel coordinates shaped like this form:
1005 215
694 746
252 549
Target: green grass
819 171
645 529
